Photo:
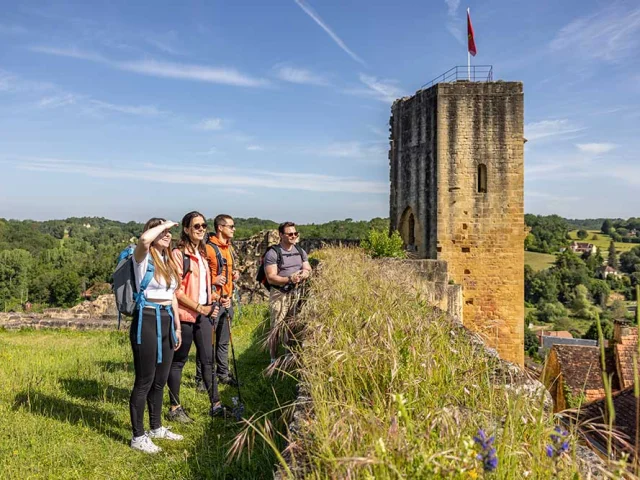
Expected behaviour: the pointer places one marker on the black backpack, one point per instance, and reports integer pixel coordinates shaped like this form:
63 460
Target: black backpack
261 276
186 261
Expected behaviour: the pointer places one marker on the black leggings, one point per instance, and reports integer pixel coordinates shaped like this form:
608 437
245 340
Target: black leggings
201 333
151 377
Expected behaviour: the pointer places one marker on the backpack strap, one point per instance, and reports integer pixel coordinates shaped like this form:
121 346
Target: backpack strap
148 275
186 265
219 258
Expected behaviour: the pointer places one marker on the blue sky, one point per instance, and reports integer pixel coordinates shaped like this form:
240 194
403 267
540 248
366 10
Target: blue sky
280 109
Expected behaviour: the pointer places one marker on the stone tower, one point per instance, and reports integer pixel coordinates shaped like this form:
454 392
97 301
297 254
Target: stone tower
457 194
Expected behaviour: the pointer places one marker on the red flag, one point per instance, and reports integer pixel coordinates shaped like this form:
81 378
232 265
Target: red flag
471 39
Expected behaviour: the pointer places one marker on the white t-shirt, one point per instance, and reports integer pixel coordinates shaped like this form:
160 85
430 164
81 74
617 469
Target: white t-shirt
202 297
156 290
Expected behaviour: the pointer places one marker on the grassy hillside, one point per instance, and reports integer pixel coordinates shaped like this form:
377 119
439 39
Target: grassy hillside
399 392
603 242
539 261
65 414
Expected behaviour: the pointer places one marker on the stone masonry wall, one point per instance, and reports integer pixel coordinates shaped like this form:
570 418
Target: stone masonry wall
479 234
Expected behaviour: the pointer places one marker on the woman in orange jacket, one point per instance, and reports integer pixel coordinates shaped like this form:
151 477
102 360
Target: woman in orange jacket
197 312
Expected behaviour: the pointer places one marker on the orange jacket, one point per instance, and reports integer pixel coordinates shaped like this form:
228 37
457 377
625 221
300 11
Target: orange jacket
190 286
227 253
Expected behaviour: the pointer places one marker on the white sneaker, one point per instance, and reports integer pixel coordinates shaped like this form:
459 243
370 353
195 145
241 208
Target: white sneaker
144 444
164 432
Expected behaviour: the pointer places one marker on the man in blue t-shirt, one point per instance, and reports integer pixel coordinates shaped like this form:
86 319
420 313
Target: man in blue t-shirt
284 276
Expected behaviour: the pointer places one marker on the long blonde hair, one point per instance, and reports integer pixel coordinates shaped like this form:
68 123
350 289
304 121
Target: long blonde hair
165 266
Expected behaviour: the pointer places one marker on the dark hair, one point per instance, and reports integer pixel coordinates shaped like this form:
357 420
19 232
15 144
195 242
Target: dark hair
184 238
223 217
284 225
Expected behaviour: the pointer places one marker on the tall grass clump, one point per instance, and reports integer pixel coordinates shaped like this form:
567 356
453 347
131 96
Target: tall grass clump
397 390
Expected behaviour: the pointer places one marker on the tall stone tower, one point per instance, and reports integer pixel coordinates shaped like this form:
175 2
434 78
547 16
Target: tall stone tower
457 194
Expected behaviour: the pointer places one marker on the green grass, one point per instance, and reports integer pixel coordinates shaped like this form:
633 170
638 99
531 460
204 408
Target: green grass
603 242
64 407
539 261
399 392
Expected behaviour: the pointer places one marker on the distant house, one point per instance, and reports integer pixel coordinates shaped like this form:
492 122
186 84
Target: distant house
574 372
583 247
607 270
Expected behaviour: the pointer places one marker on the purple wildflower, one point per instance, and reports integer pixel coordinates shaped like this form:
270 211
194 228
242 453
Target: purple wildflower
487 453
559 443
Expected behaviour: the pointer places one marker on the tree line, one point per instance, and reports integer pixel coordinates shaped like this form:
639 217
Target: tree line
54 262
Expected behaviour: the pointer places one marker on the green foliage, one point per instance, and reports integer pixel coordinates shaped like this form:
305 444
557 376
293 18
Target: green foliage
607 330
582 234
531 342
64 290
548 233
599 291
630 261
540 286
380 244
617 310
606 227
550 312
612 258
581 305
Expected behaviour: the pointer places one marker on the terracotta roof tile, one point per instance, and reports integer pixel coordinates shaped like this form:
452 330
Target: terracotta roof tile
580 367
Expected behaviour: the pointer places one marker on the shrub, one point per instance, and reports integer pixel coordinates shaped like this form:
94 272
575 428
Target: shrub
379 244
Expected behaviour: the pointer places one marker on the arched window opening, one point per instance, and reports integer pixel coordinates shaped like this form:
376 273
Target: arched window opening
412 230
482 178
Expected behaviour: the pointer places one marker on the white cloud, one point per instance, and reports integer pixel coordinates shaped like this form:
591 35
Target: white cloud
316 18
183 71
58 101
233 177
370 152
299 75
210 124
384 90
549 128
13 84
453 7
142 110
255 148
611 34
595 148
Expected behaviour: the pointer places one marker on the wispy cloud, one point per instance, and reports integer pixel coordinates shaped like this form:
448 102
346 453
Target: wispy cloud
12 30
183 71
233 177
383 90
595 148
210 124
612 34
299 75
316 18
13 84
369 152
255 148
454 24
550 128
142 110
164 42
57 101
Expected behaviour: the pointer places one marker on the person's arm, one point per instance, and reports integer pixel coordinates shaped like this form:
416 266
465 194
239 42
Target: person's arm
271 271
147 238
176 322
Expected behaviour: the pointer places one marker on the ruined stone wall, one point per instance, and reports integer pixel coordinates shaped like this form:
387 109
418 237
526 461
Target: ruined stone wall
439 139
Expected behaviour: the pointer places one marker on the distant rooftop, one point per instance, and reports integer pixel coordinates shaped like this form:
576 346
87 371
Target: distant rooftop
477 73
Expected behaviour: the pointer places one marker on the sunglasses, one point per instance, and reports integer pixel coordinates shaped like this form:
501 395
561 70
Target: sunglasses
199 226
232 227
292 234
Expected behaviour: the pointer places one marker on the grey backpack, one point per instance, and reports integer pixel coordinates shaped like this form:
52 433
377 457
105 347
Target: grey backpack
124 283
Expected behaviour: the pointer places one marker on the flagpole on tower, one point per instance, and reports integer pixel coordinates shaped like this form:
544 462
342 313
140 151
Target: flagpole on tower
468 52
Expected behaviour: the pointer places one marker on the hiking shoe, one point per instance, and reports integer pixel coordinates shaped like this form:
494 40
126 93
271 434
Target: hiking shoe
219 410
179 415
229 380
201 387
144 444
164 432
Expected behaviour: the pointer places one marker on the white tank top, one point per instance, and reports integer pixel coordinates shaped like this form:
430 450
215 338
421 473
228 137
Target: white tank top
156 290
